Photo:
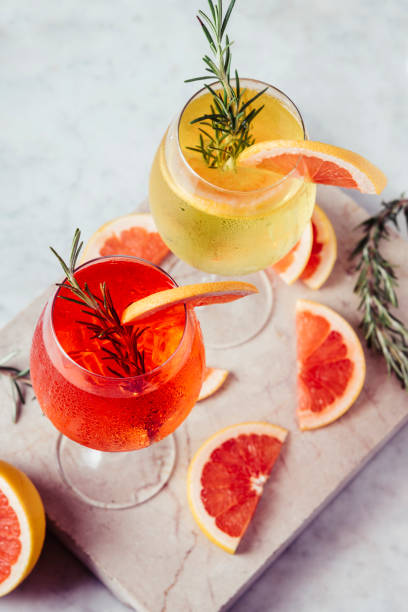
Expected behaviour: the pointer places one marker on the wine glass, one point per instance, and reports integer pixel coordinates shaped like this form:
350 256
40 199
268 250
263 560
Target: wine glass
229 222
103 414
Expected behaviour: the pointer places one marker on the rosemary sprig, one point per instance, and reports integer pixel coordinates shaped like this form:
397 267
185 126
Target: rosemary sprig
225 130
104 322
16 378
376 286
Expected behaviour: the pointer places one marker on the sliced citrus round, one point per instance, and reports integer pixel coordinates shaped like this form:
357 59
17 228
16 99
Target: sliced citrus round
214 378
324 251
316 162
135 234
331 364
226 478
291 266
22 527
200 294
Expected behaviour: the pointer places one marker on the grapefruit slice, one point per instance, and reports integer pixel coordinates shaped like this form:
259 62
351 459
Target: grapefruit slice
226 478
199 294
291 266
135 234
324 251
316 162
330 362
214 378
22 527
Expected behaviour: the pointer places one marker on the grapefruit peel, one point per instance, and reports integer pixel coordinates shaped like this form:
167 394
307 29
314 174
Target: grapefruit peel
214 378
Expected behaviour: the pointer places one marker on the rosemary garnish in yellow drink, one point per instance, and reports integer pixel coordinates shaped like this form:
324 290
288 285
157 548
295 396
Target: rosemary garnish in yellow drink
225 130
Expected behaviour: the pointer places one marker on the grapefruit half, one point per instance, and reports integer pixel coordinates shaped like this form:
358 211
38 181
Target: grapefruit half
22 527
330 363
226 478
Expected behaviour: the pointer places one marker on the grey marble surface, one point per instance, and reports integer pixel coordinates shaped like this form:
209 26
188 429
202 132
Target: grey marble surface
87 90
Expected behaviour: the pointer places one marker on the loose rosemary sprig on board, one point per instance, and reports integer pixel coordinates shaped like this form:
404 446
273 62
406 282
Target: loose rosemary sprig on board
17 378
376 286
105 322
230 116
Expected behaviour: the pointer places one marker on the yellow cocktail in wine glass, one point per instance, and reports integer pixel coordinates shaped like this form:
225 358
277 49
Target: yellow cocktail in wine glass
214 214
229 221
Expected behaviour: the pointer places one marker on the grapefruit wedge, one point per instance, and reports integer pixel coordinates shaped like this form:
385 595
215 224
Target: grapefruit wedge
22 527
291 266
226 478
330 363
135 234
200 294
316 162
214 378
323 253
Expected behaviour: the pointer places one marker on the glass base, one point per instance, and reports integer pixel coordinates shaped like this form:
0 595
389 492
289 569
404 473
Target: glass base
115 480
233 323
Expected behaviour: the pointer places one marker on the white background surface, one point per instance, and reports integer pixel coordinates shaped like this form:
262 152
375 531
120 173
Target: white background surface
87 90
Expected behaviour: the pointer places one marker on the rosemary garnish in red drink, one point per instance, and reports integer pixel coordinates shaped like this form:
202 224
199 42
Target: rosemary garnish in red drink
104 322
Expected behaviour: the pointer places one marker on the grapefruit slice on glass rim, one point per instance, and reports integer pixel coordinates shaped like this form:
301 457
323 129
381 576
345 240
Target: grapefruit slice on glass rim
330 363
22 527
198 294
324 251
226 478
316 162
135 234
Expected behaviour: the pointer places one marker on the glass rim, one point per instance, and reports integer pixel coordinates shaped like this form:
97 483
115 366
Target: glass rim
237 191
118 379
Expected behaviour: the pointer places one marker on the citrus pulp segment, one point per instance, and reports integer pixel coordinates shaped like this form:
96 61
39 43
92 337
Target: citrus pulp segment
200 294
135 234
330 363
226 478
323 253
316 162
292 265
22 527
214 378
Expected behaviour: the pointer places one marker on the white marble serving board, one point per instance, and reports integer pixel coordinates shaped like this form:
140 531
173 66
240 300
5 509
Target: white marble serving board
153 557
